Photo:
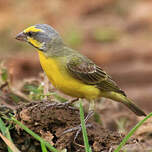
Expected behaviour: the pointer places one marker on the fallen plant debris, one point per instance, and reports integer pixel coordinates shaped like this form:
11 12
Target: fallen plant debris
50 120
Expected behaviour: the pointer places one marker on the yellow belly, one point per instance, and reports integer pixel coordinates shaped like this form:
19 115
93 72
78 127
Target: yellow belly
63 81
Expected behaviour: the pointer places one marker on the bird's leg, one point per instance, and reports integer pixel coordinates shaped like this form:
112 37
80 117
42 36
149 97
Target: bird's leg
79 128
89 115
73 100
46 87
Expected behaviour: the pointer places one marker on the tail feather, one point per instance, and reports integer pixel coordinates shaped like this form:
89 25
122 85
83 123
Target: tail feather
130 104
134 108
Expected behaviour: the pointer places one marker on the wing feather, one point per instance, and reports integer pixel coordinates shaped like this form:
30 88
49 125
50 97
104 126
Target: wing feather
88 72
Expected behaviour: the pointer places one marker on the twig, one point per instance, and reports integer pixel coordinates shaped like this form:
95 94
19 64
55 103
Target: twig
3 85
3 99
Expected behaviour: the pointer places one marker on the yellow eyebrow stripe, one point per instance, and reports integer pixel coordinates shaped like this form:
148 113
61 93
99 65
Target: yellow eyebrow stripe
32 29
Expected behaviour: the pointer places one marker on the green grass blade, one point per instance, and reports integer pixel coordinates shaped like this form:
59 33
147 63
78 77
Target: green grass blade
5 132
43 147
132 132
84 131
37 137
2 127
10 144
8 136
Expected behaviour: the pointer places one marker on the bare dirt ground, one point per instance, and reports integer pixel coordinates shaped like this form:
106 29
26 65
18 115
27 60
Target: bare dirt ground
125 52
50 120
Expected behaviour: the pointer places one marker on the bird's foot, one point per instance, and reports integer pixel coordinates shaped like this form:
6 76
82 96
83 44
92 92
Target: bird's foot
68 103
79 127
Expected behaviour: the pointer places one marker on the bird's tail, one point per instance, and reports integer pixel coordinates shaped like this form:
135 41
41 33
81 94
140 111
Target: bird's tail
130 104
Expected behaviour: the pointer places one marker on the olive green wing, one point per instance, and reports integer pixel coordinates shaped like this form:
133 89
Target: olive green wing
85 70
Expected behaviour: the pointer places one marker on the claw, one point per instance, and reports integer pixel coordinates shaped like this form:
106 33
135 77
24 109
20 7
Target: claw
79 128
68 103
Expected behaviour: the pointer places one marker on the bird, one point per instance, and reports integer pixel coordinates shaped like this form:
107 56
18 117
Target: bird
70 71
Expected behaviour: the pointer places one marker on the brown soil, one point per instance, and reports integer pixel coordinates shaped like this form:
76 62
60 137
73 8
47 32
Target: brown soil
127 59
50 120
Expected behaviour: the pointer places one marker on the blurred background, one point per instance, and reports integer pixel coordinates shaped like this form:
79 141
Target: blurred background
115 34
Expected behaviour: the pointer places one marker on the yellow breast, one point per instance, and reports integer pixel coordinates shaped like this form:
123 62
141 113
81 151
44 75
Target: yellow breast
62 80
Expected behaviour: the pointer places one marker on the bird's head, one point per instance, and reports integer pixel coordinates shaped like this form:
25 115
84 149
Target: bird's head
41 36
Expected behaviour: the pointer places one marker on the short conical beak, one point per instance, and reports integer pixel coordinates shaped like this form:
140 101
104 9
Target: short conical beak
21 36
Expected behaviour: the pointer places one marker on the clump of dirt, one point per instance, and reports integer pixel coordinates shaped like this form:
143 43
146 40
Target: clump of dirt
50 120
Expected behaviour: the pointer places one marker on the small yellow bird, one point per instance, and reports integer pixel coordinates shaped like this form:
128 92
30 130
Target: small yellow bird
71 72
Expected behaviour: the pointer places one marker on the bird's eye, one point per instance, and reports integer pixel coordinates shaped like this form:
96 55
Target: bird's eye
29 34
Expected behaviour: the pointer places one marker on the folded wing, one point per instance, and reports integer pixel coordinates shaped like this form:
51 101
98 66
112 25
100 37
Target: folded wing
88 72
